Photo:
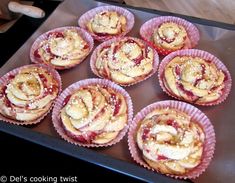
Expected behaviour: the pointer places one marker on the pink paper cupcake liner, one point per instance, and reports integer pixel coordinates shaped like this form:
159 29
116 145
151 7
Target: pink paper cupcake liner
83 33
204 55
196 116
147 29
74 87
108 43
83 20
5 79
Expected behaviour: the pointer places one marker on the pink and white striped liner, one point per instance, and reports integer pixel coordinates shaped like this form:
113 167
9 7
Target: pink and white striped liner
4 80
83 33
86 17
57 123
201 54
147 29
114 40
196 116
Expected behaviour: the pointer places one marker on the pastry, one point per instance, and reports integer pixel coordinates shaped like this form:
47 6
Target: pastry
170 141
94 114
107 23
194 79
125 61
170 36
28 94
62 48
173 138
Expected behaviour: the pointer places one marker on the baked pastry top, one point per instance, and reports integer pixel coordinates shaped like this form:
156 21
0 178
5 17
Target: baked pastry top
125 61
28 94
62 49
94 114
194 79
170 142
107 23
170 36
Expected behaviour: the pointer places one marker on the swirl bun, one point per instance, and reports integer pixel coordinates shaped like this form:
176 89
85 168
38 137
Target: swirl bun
125 61
62 47
94 114
28 94
170 142
195 76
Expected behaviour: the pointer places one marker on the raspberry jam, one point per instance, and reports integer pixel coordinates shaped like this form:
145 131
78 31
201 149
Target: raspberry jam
86 46
172 123
177 70
66 100
161 157
55 34
138 60
36 54
43 78
145 133
187 92
117 103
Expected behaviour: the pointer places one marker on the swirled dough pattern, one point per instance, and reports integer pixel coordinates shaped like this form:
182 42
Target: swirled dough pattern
107 23
94 114
194 79
170 36
28 94
62 48
170 141
126 61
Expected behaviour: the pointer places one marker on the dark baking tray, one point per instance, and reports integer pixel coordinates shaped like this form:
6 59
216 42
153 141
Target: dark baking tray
216 38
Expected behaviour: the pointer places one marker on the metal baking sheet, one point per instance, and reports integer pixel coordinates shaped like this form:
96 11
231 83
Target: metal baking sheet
216 38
